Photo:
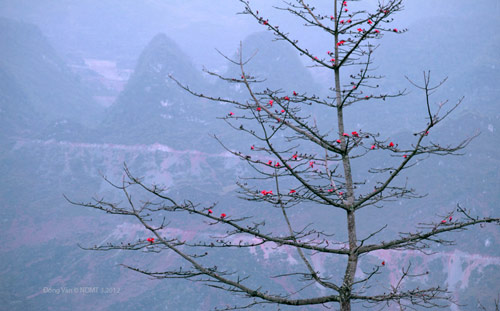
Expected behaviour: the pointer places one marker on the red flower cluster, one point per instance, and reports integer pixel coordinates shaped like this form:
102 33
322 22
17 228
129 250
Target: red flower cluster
332 60
391 144
395 30
342 21
311 163
270 162
377 31
286 98
259 109
349 21
360 30
370 22
210 211
277 164
264 192
383 263
355 134
223 215
294 157
151 240
292 191
271 102
341 42
372 147
330 190
265 22
252 147
231 114
405 156
345 135
338 141
282 110
294 93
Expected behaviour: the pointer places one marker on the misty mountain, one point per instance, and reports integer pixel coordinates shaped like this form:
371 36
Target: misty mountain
50 87
275 62
153 108
18 117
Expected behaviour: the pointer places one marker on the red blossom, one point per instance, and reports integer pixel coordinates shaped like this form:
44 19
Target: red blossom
383 263
341 42
391 144
355 134
395 30
405 156
292 191
223 215
370 22
265 22
210 211
372 147
270 162
341 193
332 18
342 21
377 31
271 102
443 221
151 240
277 164
286 98
282 110
330 190
311 163
451 218
329 52
338 140
345 134
294 157
259 109
346 10
231 114
360 30
294 93
332 60
345 3
252 147
349 21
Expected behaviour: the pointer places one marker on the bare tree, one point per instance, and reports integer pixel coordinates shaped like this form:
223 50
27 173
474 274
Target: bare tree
319 162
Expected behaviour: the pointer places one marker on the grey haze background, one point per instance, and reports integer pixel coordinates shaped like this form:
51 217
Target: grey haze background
84 88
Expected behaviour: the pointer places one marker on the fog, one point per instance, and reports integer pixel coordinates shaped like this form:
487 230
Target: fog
85 88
